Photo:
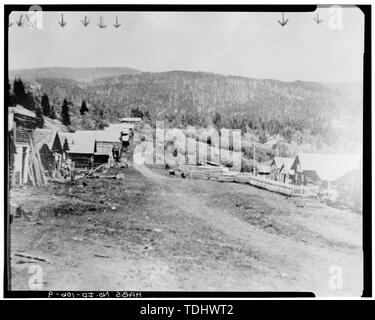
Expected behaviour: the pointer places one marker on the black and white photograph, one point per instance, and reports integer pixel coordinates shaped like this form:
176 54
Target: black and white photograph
173 149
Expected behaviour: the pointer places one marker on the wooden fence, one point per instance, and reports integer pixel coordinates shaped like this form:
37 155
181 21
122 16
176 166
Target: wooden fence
223 175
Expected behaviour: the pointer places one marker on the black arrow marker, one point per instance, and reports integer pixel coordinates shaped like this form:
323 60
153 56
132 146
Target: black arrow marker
317 20
85 21
283 22
30 23
62 23
116 25
20 22
100 24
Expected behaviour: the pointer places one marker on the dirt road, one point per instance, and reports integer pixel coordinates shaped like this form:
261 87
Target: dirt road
150 231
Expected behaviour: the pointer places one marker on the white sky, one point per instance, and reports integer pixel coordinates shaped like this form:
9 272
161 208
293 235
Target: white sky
245 44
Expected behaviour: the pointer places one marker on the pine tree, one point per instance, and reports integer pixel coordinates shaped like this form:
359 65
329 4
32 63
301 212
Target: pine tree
11 97
83 108
25 99
39 116
46 106
52 113
19 90
65 117
66 145
28 101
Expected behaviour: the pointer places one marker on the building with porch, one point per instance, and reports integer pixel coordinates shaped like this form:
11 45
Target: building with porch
313 168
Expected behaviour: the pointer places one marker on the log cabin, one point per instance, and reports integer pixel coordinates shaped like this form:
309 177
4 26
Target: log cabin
22 123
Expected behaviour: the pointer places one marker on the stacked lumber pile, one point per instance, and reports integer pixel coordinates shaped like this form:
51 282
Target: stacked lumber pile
225 178
92 171
36 171
201 172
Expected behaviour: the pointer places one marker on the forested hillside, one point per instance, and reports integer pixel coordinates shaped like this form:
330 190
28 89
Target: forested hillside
305 112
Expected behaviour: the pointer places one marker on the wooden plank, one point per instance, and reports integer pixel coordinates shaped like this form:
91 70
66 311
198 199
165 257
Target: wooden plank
225 179
28 256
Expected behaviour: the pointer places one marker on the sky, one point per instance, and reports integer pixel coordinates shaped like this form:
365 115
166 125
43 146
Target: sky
249 44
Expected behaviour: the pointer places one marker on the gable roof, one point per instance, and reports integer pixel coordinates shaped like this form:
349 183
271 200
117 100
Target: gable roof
102 135
82 142
66 136
328 167
46 136
18 109
283 164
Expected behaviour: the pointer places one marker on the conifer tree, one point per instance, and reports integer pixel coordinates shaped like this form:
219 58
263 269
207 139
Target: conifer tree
46 106
52 113
65 117
83 108
39 116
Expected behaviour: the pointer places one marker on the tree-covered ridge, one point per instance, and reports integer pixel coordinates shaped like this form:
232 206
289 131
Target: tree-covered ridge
195 97
305 112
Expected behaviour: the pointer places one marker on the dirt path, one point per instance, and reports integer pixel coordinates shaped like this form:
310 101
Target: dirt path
308 264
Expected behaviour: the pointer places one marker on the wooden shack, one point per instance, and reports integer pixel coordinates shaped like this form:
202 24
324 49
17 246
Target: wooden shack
316 168
281 169
105 141
47 143
131 123
81 149
23 123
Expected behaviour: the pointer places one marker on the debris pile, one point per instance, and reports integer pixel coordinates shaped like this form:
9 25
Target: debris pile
66 208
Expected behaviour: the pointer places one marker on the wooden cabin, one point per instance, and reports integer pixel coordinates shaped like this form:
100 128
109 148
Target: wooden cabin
92 147
281 169
131 123
312 168
105 141
47 142
23 122
81 150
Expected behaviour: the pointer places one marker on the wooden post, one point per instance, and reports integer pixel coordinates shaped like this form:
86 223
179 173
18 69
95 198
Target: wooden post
72 171
278 146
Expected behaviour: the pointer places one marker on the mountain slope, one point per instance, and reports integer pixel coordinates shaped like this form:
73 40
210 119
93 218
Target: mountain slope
77 74
296 110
